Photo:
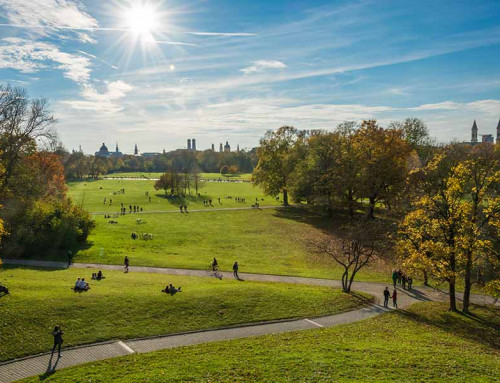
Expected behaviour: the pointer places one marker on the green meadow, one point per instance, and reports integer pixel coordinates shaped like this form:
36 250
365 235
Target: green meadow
91 194
131 305
424 343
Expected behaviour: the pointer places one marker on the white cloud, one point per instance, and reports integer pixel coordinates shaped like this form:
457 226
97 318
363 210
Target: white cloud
483 106
261 65
29 57
59 16
101 102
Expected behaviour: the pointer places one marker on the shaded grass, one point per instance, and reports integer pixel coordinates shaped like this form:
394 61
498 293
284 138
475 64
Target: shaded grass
131 305
422 344
210 176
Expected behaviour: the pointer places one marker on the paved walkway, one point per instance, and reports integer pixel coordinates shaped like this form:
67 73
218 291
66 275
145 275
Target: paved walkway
46 364
189 211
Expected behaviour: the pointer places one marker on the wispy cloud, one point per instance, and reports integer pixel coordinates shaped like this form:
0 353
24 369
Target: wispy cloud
101 102
44 15
261 65
29 57
224 34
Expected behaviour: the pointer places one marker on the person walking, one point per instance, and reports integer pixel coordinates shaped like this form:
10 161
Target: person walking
394 277
410 282
395 298
235 270
214 265
387 295
58 340
126 262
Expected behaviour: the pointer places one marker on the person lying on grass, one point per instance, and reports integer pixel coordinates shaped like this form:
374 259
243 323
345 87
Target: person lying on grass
169 289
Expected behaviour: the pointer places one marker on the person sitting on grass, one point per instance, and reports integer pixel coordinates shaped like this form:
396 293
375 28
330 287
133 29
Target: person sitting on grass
99 275
77 284
4 289
173 290
94 276
166 290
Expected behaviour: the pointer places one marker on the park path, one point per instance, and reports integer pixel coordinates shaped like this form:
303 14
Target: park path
191 211
45 364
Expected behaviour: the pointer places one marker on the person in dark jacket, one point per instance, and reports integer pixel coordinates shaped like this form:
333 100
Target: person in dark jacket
58 340
395 298
387 295
235 270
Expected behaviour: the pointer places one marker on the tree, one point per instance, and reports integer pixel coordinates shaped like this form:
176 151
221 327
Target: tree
197 179
224 169
383 155
479 179
430 234
233 169
278 153
22 124
353 250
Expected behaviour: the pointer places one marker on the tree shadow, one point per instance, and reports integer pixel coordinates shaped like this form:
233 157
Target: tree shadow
479 328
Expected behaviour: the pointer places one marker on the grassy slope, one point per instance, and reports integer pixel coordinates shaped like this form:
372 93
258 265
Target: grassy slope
425 343
92 193
131 305
262 241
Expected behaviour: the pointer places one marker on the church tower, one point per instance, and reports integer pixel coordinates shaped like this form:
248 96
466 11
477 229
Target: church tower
136 151
189 144
220 148
498 133
474 133
213 147
193 144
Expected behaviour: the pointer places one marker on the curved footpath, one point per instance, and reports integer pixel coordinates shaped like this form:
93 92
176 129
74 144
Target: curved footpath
45 364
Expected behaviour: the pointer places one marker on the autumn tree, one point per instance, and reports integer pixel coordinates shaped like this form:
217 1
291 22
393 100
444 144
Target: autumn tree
383 156
432 232
278 153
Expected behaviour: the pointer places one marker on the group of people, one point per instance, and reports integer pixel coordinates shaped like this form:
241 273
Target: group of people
394 296
81 285
169 289
215 267
97 276
207 203
400 277
110 201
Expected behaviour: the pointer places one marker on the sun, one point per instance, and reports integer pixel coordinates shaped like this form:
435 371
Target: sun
141 21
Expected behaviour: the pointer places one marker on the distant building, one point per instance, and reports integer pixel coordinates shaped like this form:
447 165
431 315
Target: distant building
136 151
150 154
485 137
193 144
189 144
220 148
213 147
104 152
227 147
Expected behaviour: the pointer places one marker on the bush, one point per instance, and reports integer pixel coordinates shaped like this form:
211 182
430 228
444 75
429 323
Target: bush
224 170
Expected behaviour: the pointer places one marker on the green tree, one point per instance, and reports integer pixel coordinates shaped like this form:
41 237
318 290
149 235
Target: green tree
279 152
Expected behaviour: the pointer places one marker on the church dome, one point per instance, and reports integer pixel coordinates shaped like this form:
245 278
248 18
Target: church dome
103 148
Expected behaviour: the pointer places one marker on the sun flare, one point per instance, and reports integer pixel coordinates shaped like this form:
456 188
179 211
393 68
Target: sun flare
141 21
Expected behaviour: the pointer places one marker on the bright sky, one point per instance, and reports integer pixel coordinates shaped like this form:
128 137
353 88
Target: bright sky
158 72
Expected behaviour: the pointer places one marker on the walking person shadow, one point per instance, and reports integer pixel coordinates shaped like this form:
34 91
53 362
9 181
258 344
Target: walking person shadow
51 368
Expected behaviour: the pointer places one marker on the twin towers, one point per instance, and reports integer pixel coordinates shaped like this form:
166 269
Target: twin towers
191 144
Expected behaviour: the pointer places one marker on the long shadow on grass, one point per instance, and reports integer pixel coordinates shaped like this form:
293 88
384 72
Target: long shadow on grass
477 327
304 215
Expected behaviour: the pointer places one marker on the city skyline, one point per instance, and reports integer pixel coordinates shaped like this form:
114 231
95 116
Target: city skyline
158 71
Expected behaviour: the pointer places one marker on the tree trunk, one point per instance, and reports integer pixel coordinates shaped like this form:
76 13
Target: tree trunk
350 203
345 277
453 300
426 278
371 211
285 197
468 284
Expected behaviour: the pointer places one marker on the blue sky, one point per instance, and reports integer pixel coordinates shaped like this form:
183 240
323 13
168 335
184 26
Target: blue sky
158 72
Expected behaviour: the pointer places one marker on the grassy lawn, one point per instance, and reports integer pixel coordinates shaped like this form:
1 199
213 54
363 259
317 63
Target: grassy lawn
262 241
91 193
425 343
210 176
131 305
